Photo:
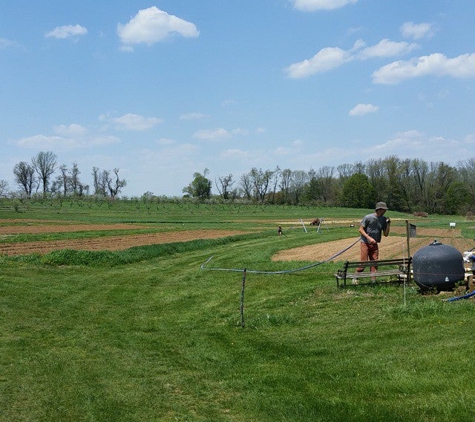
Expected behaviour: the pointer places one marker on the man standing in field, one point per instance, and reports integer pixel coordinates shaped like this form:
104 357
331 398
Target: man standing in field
372 227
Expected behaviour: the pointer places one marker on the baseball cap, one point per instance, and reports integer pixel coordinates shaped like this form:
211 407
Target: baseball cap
381 206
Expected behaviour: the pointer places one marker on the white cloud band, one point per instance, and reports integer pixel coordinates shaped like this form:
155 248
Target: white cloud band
67 31
435 64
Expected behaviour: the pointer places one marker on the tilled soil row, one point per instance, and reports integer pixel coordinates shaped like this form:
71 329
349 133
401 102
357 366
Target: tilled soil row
112 243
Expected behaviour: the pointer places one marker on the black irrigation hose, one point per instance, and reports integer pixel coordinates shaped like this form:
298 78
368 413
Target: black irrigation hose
203 266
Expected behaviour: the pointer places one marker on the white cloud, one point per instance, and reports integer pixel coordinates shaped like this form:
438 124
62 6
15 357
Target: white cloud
413 139
135 122
212 134
67 137
64 142
282 151
219 133
470 139
435 64
99 140
387 48
43 141
363 109
326 59
180 160
153 25
229 103
235 154
193 116
4 43
312 5
329 58
405 144
166 141
415 143
174 158
70 130
417 31
66 31
358 45
239 131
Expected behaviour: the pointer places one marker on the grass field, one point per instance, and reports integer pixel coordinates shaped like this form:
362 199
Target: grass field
146 334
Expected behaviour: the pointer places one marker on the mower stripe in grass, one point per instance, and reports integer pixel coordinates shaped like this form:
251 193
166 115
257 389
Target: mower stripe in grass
315 264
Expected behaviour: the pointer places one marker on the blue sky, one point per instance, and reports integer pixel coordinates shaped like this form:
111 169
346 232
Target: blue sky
162 89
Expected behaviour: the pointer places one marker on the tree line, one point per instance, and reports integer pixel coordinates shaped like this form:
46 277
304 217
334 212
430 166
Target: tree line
407 185
38 178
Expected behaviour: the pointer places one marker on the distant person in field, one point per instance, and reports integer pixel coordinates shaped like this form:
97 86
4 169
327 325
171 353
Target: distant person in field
279 230
371 229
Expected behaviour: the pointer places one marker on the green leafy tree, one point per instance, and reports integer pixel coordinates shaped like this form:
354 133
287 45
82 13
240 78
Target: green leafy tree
312 190
394 193
456 197
200 187
466 172
441 177
358 192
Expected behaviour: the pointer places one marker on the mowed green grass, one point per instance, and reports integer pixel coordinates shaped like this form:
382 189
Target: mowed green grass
160 339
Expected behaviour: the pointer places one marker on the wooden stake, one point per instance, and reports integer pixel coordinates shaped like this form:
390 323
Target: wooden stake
242 297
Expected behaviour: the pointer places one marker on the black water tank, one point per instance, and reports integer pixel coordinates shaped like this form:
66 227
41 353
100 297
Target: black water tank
438 266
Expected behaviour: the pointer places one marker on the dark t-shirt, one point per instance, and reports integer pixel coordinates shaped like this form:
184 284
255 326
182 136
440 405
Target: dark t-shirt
373 226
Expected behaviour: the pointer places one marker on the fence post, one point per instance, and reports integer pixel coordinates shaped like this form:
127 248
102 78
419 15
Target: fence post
242 297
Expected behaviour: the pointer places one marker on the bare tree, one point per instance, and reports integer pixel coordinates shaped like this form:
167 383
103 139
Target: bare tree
285 183
246 185
420 171
3 187
299 180
115 184
100 181
260 182
345 171
225 185
25 177
95 180
45 165
63 179
76 185
326 182
275 183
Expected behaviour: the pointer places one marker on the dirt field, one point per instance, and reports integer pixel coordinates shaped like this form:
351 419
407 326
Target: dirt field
111 243
393 246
